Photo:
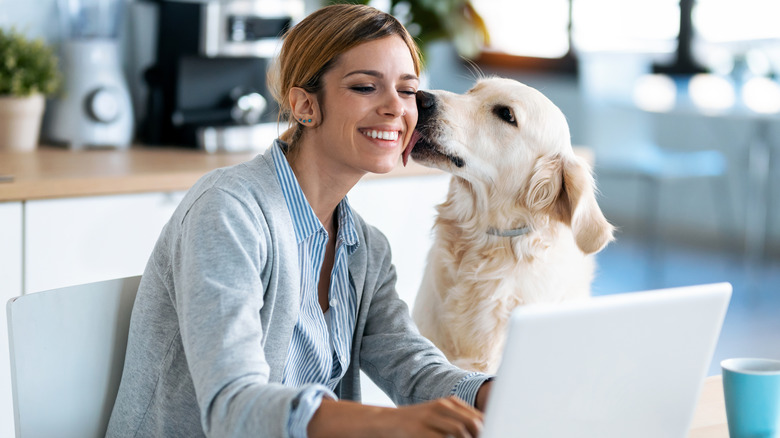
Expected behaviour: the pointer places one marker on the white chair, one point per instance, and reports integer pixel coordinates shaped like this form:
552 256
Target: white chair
67 353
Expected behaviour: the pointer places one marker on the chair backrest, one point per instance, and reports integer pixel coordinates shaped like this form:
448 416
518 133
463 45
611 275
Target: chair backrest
67 354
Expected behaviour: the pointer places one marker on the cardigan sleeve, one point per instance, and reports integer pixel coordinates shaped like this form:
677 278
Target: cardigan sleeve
219 296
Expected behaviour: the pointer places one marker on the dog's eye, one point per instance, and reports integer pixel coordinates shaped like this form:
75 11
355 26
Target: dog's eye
505 113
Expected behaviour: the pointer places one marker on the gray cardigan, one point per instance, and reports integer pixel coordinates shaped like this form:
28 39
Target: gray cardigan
215 313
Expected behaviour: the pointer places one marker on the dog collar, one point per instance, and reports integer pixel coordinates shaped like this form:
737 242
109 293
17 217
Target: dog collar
509 233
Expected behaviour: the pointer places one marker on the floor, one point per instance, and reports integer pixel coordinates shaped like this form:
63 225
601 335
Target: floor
752 324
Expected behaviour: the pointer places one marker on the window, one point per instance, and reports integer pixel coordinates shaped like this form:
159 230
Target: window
721 21
527 27
625 26
546 35
738 38
693 34
528 34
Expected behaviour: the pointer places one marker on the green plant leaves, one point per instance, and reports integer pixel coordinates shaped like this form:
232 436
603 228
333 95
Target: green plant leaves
27 66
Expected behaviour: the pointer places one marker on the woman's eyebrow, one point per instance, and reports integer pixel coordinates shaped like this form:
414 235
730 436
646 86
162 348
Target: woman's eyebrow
380 75
375 73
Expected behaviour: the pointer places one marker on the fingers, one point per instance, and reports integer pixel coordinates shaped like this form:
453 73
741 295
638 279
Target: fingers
446 417
453 417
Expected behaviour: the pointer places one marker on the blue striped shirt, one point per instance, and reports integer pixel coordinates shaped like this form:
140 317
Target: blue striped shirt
320 350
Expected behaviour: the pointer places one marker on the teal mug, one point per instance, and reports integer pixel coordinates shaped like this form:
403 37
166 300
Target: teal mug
751 388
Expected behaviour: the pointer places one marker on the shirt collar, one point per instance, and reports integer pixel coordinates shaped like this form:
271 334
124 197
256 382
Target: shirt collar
304 220
347 231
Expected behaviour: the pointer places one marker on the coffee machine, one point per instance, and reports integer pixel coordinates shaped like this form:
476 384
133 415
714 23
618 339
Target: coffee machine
94 108
207 85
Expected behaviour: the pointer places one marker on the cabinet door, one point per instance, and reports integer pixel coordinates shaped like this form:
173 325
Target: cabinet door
10 286
82 240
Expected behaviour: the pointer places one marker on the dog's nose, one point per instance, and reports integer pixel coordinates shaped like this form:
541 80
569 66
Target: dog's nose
426 102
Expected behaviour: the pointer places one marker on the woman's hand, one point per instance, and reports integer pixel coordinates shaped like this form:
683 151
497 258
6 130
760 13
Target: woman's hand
445 417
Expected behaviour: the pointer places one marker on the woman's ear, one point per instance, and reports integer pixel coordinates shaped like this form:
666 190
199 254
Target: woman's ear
305 107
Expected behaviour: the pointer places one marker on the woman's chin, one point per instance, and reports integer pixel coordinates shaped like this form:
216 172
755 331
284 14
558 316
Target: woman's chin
384 166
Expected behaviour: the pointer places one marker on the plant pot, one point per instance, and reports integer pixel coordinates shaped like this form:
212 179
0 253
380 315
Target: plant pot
20 122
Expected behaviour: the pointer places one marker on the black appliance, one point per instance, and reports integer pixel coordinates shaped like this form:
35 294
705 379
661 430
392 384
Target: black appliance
207 86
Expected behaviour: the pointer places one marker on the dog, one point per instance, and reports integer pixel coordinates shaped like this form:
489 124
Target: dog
520 222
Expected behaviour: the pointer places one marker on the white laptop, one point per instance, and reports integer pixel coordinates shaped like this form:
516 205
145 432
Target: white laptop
616 366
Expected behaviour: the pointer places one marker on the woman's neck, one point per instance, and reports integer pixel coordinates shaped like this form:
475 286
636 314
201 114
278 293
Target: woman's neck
324 187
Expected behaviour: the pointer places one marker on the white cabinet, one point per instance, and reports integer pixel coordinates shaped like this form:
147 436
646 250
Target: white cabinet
82 240
404 210
10 286
48 244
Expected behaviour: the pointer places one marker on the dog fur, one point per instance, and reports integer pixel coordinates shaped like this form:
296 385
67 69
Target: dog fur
509 151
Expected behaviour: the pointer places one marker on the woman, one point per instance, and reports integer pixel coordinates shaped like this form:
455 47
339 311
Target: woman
265 294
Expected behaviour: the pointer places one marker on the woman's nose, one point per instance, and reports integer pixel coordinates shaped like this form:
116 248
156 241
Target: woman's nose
393 105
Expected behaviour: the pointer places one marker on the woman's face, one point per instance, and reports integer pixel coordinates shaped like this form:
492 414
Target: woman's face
368 107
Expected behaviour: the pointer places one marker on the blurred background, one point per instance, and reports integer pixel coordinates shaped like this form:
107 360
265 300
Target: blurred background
677 100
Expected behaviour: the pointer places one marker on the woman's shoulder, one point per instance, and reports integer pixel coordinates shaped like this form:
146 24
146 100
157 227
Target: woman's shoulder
249 177
251 180
250 187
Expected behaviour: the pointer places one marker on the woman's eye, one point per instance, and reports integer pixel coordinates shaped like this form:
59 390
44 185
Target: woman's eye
362 89
505 113
408 92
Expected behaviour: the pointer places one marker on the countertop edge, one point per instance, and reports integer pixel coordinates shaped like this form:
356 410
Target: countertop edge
52 173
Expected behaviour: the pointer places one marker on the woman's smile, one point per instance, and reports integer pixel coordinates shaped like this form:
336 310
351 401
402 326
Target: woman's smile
380 134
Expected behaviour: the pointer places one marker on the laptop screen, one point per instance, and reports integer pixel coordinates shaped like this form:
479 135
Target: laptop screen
626 365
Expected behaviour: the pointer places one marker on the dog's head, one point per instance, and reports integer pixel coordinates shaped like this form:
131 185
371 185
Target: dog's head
510 142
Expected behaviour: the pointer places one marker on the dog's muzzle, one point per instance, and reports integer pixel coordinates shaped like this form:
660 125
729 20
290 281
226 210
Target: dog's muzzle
426 146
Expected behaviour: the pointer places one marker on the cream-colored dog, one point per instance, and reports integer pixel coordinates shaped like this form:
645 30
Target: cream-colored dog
520 222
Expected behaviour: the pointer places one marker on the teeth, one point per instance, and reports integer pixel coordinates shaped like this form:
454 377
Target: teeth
384 135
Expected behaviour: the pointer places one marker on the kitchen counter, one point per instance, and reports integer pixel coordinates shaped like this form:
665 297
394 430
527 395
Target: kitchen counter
51 172
60 173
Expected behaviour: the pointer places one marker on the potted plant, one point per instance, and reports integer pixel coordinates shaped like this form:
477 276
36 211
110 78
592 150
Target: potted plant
28 72
430 21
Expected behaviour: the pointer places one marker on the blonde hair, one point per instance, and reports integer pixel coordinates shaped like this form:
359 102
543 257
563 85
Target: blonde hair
312 47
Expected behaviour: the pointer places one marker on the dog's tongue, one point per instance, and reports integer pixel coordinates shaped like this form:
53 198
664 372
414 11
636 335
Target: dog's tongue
408 150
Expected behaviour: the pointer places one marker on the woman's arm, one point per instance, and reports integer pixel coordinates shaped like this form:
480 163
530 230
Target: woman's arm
482 396
219 296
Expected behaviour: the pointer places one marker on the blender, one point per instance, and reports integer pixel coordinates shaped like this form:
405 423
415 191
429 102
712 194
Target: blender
94 108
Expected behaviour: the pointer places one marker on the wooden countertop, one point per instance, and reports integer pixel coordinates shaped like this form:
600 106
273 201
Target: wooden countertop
58 172
709 420
51 172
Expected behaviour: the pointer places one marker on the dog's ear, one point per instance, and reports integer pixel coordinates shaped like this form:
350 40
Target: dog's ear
576 206
546 184
564 188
